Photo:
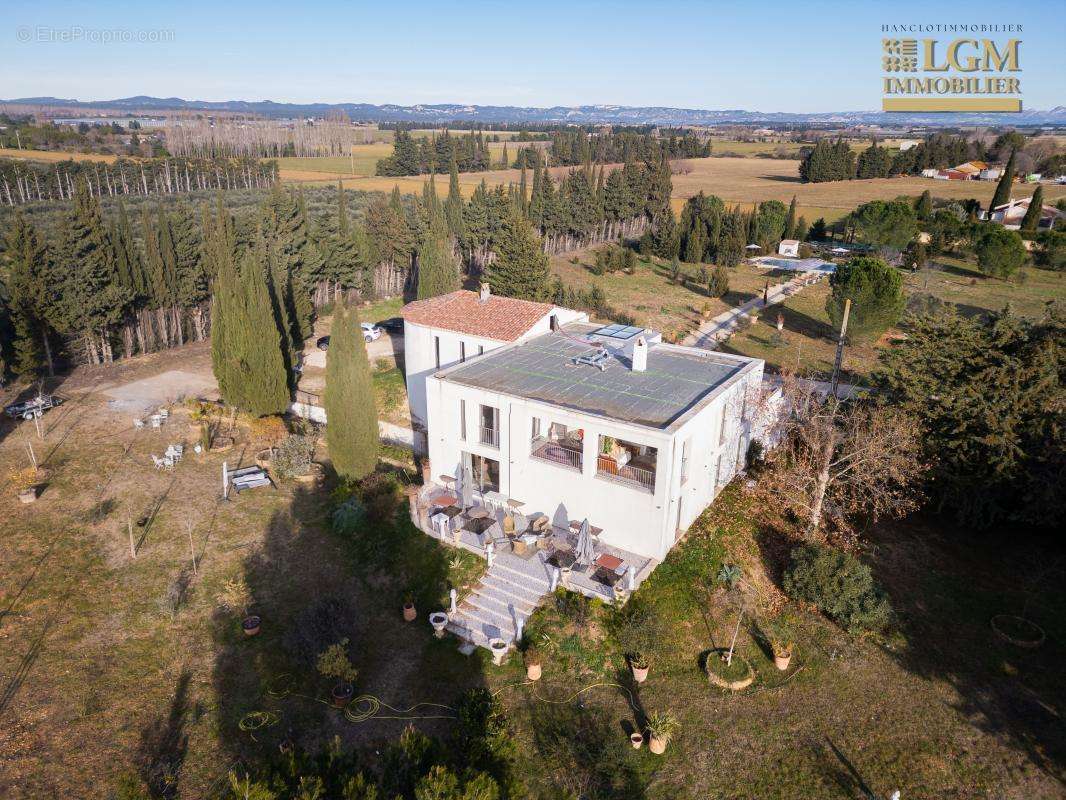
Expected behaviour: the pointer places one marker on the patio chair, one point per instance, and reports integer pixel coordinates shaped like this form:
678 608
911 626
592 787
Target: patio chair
159 463
138 422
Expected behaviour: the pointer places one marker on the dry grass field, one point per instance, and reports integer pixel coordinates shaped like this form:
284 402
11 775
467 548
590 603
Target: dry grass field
735 180
55 155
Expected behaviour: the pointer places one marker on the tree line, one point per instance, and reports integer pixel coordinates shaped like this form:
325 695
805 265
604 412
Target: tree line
573 147
24 182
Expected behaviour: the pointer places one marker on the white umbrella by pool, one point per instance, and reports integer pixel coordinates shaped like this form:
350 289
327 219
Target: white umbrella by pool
584 552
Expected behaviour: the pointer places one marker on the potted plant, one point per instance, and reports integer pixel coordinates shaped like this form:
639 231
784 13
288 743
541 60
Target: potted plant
636 739
638 662
333 662
662 726
410 614
533 664
782 653
236 598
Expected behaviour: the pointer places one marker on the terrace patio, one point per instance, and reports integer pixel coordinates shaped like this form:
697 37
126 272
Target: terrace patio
534 545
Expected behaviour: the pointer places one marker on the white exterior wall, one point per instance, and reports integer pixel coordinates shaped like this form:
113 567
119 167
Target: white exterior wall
420 354
633 519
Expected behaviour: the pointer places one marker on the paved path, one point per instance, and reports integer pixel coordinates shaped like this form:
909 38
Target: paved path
718 329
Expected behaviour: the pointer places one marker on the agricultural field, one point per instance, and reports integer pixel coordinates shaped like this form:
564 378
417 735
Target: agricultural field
742 181
362 162
131 657
55 155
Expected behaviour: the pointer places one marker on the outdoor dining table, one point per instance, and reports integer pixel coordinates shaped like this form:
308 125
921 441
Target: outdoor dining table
446 500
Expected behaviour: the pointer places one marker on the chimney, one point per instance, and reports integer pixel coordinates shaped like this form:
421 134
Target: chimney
639 360
486 291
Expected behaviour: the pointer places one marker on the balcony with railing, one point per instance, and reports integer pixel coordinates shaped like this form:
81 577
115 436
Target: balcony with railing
561 452
490 436
624 462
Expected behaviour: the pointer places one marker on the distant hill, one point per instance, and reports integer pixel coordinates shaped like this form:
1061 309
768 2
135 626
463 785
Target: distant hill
595 114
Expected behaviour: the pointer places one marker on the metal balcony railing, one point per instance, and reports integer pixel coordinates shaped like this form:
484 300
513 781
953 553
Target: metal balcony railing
638 477
490 436
565 455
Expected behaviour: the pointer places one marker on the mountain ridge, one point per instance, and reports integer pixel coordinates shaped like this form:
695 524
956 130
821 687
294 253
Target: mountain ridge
603 113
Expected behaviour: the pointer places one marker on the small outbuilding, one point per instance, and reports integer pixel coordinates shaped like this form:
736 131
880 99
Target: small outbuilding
789 247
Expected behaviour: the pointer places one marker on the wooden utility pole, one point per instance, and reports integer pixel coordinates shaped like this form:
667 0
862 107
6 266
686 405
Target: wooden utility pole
129 529
840 345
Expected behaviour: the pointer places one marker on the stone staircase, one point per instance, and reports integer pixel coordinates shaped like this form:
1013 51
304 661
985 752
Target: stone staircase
508 593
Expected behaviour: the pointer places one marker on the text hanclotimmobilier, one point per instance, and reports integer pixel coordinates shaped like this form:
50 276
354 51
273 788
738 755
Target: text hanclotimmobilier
952 86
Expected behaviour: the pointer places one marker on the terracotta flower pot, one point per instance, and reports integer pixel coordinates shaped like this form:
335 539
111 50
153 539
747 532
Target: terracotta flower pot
782 659
636 739
640 674
410 614
342 694
533 672
250 624
657 745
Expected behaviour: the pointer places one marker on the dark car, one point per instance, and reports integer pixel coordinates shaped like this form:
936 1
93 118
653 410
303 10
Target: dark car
323 343
391 325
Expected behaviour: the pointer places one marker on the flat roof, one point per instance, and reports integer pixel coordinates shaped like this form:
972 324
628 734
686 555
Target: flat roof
677 378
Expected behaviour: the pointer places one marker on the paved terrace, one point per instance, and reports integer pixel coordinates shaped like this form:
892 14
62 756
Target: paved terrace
519 578
542 369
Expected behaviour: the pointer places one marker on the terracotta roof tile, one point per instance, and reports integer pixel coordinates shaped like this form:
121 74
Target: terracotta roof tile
502 318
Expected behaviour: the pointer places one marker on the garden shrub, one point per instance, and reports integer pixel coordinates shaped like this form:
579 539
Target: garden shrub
840 585
293 455
381 495
349 517
637 627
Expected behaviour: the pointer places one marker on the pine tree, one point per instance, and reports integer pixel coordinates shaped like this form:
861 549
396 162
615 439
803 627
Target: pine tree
521 267
90 299
351 412
1006 181
1032 214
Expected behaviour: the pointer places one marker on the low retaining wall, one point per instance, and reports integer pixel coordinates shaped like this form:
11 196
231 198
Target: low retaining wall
392 434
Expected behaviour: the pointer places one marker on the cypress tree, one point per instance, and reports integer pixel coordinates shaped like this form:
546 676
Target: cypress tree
1006 180
246 344
521 267
453 206
351 412
924 206
28 277
438 272
790 220
1032 214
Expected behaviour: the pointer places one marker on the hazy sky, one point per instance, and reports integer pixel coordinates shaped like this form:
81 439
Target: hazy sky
766 55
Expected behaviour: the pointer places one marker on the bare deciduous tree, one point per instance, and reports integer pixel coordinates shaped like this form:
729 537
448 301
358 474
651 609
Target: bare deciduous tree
860 458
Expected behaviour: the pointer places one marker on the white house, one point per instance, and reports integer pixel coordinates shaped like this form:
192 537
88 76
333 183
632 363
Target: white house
453 328
604 423
1011 214
789 247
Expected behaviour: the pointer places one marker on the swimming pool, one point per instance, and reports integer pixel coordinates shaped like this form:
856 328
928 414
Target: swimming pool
797 264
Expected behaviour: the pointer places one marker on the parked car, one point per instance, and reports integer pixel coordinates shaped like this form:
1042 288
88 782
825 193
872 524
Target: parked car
391 325
370 333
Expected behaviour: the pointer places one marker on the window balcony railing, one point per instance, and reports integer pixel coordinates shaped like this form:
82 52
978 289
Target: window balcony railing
630 475
556 452
490 436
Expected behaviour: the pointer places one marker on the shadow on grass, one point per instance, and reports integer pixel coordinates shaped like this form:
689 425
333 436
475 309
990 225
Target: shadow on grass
164 744
945 585
312 588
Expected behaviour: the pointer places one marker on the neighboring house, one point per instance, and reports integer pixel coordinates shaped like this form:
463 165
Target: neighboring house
991 173
1010 215
907 144
972 169
604 423
789 247
453 328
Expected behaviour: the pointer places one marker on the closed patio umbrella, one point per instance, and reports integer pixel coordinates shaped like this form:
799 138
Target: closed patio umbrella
467 490
584 552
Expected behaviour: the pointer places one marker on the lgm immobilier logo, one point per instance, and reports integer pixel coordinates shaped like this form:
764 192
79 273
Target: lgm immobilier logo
971 72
